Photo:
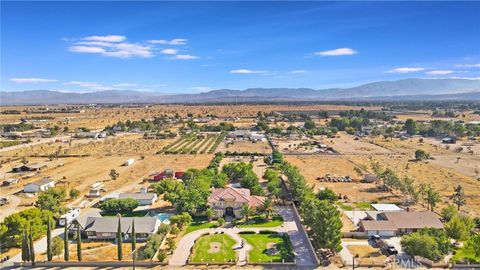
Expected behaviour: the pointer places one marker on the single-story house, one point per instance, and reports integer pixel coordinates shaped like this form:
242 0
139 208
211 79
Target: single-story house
40 185
229 201
105 228
142 198
389 224
239 134
32 167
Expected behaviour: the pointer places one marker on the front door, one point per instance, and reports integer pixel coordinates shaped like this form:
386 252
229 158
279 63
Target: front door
229 211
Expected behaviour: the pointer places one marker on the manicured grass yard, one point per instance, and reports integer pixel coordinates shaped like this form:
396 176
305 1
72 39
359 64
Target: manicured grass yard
200 223
355 205
260 243
213 248
260 221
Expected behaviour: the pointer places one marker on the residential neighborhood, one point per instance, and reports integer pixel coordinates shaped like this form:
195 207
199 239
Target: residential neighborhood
277 135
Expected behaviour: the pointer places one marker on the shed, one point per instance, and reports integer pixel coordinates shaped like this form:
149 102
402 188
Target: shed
40 185
384 207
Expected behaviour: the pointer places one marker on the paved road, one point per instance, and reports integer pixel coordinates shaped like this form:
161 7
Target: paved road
303 255
40 247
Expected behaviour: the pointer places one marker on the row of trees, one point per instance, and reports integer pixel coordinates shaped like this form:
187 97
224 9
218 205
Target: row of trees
441 128
322 217
244 173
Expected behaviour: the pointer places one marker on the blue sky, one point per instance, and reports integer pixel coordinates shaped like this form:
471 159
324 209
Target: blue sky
179 47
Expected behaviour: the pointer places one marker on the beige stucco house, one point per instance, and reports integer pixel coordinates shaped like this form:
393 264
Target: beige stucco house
229 201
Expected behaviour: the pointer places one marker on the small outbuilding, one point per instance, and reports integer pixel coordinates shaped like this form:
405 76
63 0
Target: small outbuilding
40 185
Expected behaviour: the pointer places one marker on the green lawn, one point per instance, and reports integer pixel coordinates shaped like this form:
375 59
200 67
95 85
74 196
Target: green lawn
466 252
356 206
260 221
202 250
200 223
259 243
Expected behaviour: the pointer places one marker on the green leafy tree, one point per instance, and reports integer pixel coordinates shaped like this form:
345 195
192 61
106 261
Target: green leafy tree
458 197
14 225
114 174
181 220
327 194
421 155
79 244
210 213
459 228
428 242
51 199
221 221
161 255
74 193
171 245
432 197
119 205
309 124
410 126
57 246
449 212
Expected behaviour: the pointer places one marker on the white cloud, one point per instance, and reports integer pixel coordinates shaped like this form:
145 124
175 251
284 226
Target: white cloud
184 57
337 52
247 71
201 88
405 70
468 65
86 49
111 46
108 38
297 71
125 84
32 80
177 41
439 72
83 84
169 51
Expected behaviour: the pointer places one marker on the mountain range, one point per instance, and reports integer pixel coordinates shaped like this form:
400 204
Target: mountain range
405 89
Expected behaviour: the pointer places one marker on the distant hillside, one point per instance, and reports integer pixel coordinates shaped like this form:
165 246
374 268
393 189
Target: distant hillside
407 89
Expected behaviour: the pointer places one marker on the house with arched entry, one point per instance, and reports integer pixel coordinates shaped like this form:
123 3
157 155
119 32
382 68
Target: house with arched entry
229 201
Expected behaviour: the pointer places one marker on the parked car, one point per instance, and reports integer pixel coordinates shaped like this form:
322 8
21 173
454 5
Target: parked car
391 250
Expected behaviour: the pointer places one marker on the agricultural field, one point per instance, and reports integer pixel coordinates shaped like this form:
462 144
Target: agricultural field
194 144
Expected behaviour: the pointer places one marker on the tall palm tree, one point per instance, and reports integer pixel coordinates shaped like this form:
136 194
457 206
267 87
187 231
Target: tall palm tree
267 207
246 211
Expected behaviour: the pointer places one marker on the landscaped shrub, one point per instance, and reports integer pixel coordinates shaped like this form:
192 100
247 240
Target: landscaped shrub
267 232
247 232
